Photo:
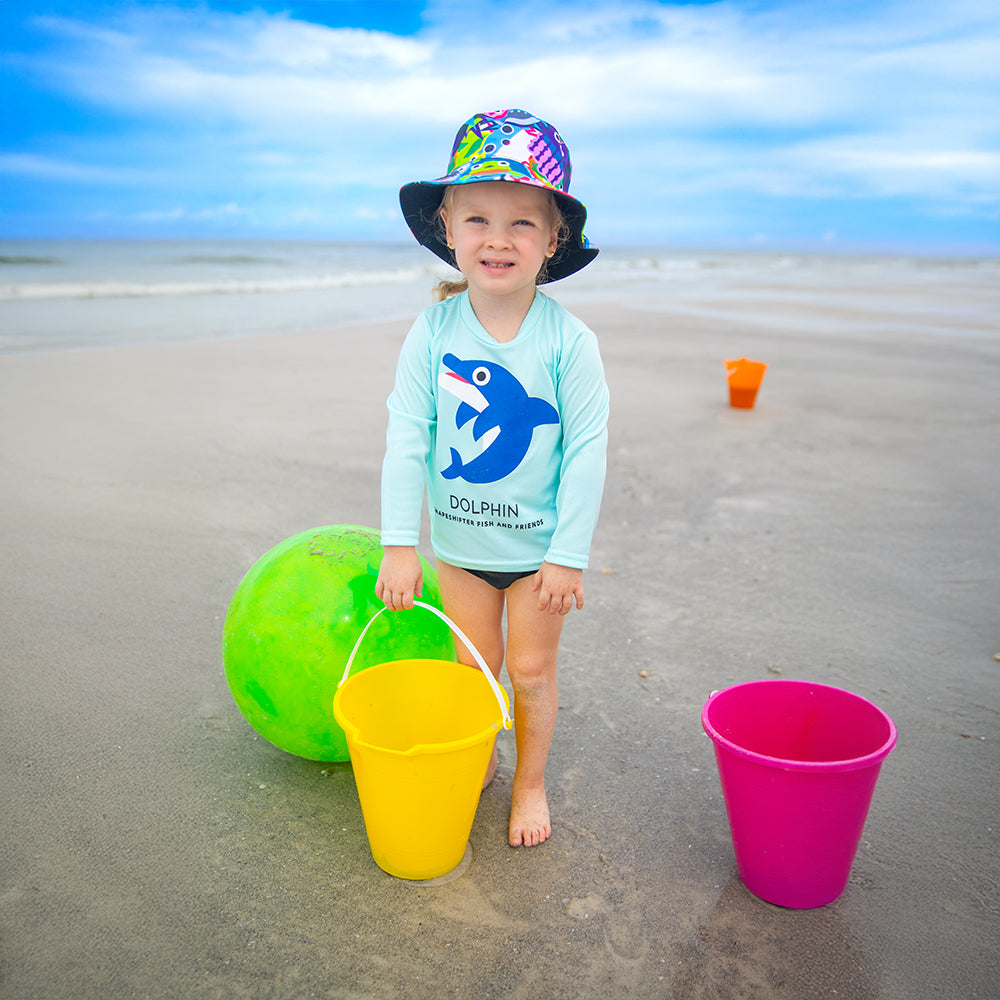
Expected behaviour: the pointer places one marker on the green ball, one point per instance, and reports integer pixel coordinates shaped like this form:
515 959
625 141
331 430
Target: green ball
293 622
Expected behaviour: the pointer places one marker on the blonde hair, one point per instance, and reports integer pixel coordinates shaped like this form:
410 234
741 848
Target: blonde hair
447 288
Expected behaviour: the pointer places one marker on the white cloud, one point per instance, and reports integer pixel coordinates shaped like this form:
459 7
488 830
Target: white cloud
67 171
264 69
788 100
710 66
216 213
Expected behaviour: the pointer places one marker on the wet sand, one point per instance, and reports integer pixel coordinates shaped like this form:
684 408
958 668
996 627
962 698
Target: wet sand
846 530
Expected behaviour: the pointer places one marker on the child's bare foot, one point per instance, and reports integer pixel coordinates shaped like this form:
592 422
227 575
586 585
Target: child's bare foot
492 767
529 817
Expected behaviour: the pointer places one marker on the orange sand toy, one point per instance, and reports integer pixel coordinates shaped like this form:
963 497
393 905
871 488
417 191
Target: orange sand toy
744 381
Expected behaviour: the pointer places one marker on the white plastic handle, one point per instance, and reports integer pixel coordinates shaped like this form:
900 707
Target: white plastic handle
497 693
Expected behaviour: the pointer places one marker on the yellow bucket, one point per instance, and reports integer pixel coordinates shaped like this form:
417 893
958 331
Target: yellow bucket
420 734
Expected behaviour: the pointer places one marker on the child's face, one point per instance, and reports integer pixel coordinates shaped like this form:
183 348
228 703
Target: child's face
502 232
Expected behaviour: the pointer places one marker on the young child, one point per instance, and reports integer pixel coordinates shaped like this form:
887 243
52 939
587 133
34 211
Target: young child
500 410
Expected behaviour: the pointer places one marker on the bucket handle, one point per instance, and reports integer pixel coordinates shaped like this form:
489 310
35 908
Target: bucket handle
497 693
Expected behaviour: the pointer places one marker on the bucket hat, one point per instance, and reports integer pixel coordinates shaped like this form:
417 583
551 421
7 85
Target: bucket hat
508 145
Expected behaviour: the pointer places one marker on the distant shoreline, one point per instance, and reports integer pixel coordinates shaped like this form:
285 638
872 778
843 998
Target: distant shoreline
60 295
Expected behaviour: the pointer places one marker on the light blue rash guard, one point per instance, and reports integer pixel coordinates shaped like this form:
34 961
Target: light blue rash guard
509 439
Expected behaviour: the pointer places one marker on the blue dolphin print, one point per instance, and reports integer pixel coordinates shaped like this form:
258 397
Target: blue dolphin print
505 418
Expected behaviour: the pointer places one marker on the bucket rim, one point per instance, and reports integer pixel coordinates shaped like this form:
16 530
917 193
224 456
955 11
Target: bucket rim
747 366
789 764
502 700
353 731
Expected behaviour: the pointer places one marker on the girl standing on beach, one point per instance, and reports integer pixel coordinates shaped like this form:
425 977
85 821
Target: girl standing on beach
500 410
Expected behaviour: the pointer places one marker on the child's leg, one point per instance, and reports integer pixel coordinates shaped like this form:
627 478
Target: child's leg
532 654
477 609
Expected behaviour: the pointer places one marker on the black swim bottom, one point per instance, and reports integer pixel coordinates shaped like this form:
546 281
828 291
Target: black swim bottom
500 581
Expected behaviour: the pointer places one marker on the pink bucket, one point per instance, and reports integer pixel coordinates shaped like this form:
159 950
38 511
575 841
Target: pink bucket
798 764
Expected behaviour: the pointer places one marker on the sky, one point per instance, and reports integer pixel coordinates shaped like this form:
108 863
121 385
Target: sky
739 124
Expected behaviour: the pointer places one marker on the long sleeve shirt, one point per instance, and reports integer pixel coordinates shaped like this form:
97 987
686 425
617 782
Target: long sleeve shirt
509 439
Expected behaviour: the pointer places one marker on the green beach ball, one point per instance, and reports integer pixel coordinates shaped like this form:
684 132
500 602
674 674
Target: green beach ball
293 622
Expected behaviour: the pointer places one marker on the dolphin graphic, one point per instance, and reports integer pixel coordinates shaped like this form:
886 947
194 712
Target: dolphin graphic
505 418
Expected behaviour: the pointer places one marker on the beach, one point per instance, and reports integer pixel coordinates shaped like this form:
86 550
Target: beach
844 531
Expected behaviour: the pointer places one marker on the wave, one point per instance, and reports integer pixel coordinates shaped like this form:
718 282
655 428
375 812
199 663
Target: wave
236 286
226 258
16 259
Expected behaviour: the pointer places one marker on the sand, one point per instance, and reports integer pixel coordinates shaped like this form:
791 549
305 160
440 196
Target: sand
845 531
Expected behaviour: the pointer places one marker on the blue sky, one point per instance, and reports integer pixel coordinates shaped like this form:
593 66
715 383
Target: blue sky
849 125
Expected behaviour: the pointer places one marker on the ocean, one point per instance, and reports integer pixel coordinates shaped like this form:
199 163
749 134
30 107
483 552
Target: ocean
58 295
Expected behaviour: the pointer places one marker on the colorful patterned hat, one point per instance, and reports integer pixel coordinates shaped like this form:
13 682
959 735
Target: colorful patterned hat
506 145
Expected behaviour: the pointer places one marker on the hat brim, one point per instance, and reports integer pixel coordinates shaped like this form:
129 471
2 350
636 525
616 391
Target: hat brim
421 200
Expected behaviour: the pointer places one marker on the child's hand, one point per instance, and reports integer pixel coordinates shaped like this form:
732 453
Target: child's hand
557 586
400 577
